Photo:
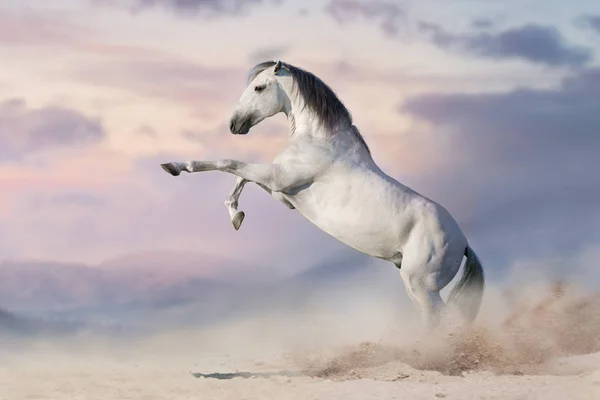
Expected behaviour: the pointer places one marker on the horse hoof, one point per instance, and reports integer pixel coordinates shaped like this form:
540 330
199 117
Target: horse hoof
171 169
237 219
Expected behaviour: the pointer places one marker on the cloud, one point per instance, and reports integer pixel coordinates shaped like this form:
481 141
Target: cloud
28 30
591 22
74 198
205 8
110 205
534 43
268 53
171 79
34 30
146 131
482 23
519 168
389 14
25 130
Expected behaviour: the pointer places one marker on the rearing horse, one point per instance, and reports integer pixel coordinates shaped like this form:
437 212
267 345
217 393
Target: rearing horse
327 174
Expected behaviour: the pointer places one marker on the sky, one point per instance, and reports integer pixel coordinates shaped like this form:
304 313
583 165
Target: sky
491 108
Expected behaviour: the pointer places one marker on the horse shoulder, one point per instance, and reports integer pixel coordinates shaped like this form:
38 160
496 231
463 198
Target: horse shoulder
305 154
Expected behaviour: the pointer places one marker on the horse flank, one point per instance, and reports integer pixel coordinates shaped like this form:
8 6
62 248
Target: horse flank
320 99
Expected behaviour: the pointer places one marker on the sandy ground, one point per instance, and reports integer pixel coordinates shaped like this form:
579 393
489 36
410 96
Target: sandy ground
543 349
93 376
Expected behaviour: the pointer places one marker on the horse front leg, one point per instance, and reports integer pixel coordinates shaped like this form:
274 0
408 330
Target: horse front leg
232 202
236 216
275 178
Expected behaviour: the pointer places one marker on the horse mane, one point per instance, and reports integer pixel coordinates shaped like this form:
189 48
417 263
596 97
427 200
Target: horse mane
320 99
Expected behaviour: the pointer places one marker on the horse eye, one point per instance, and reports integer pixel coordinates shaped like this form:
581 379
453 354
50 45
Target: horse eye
259 88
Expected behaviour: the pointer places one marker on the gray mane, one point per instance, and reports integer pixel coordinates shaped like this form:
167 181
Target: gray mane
320 99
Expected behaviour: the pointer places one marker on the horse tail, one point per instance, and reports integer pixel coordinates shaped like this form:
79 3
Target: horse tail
468 292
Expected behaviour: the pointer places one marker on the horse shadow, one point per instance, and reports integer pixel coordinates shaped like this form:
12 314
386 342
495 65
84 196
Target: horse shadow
246 375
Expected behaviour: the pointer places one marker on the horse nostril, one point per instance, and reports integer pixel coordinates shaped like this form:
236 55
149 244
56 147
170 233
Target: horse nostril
232 125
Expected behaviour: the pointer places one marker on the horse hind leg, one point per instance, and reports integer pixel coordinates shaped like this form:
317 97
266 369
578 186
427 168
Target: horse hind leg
426 299
424 279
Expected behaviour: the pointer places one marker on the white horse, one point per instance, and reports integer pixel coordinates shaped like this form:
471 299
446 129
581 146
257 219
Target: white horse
327 174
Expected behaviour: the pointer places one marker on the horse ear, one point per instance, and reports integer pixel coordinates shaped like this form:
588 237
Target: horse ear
278 66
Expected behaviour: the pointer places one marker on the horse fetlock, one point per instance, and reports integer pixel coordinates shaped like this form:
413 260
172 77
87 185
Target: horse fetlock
231 204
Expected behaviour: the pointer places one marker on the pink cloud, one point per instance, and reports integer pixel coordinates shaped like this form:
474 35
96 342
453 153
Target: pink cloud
168 78
27 29
25 131
95 205
32 30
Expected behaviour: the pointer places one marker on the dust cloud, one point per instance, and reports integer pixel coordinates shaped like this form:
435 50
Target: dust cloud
525 342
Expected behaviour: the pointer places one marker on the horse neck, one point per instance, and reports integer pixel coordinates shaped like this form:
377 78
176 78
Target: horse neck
300 121
303 123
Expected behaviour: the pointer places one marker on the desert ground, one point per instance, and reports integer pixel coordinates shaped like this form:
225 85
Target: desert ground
541 346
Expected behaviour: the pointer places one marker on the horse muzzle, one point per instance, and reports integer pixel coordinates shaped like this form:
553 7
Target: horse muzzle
240 125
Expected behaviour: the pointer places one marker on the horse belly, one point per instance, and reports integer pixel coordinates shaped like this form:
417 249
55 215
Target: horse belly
376 241
358 213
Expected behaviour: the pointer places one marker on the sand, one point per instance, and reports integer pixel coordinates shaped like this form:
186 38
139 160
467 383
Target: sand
93 376
547 348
